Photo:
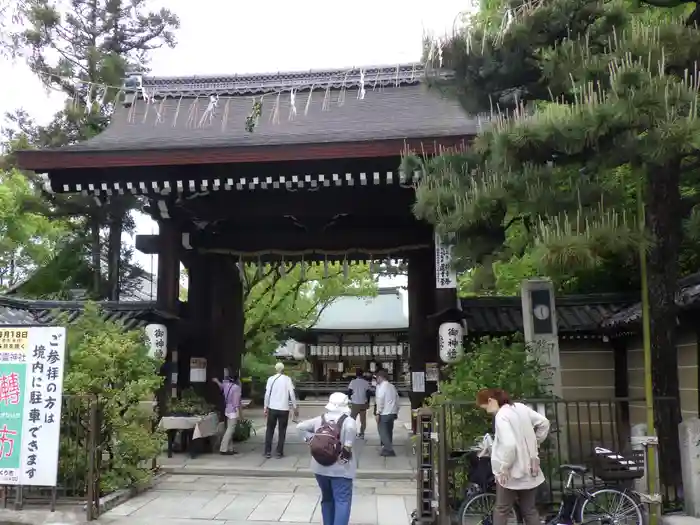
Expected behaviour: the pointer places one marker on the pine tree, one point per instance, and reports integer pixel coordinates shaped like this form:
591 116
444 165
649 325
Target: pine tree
77 49
588 102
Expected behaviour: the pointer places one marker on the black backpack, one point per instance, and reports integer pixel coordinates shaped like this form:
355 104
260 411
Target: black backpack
325 444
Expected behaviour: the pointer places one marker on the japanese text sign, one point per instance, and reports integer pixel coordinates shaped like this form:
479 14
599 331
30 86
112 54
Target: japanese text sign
31 388
445 274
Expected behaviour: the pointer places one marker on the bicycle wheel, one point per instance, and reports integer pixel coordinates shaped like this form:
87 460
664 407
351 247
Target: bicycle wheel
478 510
610 506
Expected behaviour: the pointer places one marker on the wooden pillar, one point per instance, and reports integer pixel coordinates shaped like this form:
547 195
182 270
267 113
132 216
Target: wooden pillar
226 329
168 266
168 289
199 301
421 301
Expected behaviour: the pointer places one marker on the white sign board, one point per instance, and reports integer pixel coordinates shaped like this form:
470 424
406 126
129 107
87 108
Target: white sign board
445 274
31 389
418 381
198 370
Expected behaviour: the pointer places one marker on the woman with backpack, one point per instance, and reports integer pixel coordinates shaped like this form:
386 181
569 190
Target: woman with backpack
331 438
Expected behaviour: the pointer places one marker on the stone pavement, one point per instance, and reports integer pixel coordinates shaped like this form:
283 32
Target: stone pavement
250 462
227 500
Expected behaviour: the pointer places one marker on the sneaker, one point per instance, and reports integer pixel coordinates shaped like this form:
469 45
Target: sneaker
228 453
361 436
267 455
279 455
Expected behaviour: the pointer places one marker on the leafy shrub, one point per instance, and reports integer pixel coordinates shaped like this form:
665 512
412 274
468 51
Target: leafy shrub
244 428
190 403
498 362
506 363
111 363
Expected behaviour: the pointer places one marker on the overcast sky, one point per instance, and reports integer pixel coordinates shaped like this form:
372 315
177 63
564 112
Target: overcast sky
226 37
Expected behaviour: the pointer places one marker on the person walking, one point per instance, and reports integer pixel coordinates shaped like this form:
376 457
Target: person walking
279 394
387 408
515 460
331 439
231 389
359 398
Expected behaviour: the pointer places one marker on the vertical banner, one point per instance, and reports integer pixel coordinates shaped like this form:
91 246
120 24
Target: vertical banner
31 388
445 274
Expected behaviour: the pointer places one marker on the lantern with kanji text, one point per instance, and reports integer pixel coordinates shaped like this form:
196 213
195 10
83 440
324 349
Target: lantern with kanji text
451 342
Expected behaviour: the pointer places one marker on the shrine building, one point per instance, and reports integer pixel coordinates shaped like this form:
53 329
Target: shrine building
369 333
299 167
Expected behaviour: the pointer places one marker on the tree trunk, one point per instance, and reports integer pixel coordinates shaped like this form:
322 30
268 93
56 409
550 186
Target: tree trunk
96 256
663 216
114 245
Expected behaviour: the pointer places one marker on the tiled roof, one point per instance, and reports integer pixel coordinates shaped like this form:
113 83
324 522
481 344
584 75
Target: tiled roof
575 314
688 297
132 314
397 107
385 311
374 78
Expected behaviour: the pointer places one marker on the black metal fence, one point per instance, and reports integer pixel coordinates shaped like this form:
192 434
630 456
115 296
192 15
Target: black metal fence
78 464
577 428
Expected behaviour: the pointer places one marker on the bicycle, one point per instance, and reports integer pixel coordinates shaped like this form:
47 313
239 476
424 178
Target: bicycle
572 509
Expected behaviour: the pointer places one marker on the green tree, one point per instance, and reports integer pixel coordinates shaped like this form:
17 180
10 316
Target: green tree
281 296
79 49
603 103
27 240
106 361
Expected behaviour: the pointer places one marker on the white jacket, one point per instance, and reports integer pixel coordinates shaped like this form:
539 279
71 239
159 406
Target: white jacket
519 432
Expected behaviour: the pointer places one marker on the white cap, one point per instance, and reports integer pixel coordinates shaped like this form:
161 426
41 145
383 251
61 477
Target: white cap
338 402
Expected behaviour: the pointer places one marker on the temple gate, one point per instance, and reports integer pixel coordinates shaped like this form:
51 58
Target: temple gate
314 185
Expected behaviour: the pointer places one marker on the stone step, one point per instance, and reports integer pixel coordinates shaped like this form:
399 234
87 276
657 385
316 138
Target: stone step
226 470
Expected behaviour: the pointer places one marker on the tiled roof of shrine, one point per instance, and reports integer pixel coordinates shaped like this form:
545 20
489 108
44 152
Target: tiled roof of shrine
396 106
575 313
385 311
132 314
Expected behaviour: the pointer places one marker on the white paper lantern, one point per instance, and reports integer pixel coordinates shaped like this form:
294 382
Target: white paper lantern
451 342
157 340
340 366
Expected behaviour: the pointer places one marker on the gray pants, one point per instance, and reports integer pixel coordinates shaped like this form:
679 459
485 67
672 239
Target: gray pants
507 498
386 432
227 440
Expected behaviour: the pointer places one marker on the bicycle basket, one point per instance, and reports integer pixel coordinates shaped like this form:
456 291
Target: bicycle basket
611 466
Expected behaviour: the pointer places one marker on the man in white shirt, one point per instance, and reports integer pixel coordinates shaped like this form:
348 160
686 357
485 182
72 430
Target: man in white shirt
359 399
279 394
387 404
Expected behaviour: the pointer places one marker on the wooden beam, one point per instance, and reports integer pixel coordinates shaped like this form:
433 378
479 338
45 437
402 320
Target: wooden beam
295 240
357 240
375 201
47 160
